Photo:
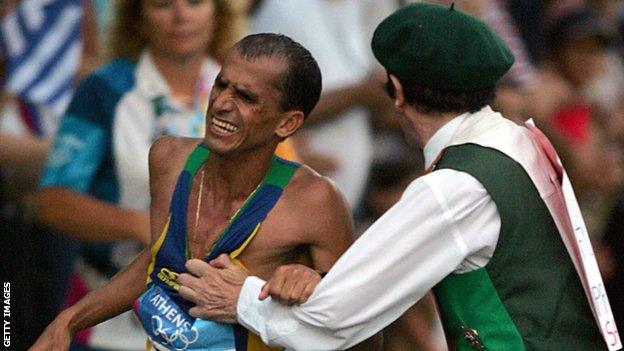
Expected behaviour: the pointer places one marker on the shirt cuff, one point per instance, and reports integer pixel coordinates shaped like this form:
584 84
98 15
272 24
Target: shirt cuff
249 309
270 320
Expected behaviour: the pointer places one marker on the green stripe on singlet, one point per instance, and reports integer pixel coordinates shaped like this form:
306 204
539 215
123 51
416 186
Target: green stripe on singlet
196 159
281 173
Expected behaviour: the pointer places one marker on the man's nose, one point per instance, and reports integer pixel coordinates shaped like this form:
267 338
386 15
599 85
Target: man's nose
182 10
223 102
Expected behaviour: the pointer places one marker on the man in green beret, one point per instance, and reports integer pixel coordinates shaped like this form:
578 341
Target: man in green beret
493 227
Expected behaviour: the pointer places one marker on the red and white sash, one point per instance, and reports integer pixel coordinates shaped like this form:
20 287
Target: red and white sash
567 214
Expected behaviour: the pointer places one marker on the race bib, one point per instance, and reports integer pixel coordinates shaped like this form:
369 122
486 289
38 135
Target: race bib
169 327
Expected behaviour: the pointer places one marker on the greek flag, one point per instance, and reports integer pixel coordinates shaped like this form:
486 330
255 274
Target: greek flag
42 45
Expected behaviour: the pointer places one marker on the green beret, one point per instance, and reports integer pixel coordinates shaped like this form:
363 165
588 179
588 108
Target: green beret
442 48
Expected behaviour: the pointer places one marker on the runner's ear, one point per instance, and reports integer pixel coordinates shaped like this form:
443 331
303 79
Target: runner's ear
291 121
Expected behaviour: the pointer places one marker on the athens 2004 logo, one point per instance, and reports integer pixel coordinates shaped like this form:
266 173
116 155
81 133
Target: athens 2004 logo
177 338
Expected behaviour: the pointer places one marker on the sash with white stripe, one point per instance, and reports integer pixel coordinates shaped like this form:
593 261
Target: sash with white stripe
574 234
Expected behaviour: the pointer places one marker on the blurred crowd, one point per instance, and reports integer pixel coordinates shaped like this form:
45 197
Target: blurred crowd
88 85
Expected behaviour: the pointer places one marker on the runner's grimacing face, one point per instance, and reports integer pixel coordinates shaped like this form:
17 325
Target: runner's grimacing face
243 110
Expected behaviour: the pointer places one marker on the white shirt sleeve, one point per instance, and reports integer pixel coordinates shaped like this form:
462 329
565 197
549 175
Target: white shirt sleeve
444 223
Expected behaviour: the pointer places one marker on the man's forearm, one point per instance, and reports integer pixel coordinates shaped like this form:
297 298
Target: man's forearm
23 151
87 218
332 104
310 335
112 299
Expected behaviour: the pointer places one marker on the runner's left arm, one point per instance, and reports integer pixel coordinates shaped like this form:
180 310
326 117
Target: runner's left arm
331 232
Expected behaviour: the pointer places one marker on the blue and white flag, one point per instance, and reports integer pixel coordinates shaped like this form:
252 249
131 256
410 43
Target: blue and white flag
41 41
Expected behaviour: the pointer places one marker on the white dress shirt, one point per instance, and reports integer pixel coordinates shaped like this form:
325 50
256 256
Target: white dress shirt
444 223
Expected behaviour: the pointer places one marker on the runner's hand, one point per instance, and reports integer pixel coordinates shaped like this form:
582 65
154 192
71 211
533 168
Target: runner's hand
56 337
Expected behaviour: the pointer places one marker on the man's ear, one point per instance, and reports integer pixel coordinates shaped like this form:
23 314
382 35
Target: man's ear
399 99
291 121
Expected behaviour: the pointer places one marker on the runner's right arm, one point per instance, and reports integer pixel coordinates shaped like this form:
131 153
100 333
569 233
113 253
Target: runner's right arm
126 286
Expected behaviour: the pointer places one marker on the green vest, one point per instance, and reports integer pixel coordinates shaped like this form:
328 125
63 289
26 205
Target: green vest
529 296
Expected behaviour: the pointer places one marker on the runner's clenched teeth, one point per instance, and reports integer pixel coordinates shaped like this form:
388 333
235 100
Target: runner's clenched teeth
224 126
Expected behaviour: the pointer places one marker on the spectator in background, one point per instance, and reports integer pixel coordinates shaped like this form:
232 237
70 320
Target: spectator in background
29 118
526 15
95 186
510 101
337 141
582 60
37 85
493 13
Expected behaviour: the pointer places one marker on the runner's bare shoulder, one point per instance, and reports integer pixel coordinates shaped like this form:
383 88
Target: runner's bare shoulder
168 154
307 183
313 197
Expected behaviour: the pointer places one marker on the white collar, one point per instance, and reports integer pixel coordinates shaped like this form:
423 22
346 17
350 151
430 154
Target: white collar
441 138
152 84
149 80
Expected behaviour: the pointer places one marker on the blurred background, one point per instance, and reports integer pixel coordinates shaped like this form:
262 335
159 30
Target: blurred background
87 85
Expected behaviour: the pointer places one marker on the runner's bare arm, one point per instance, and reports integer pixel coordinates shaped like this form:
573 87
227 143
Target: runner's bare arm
330 231
126 286
99 305
167 158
